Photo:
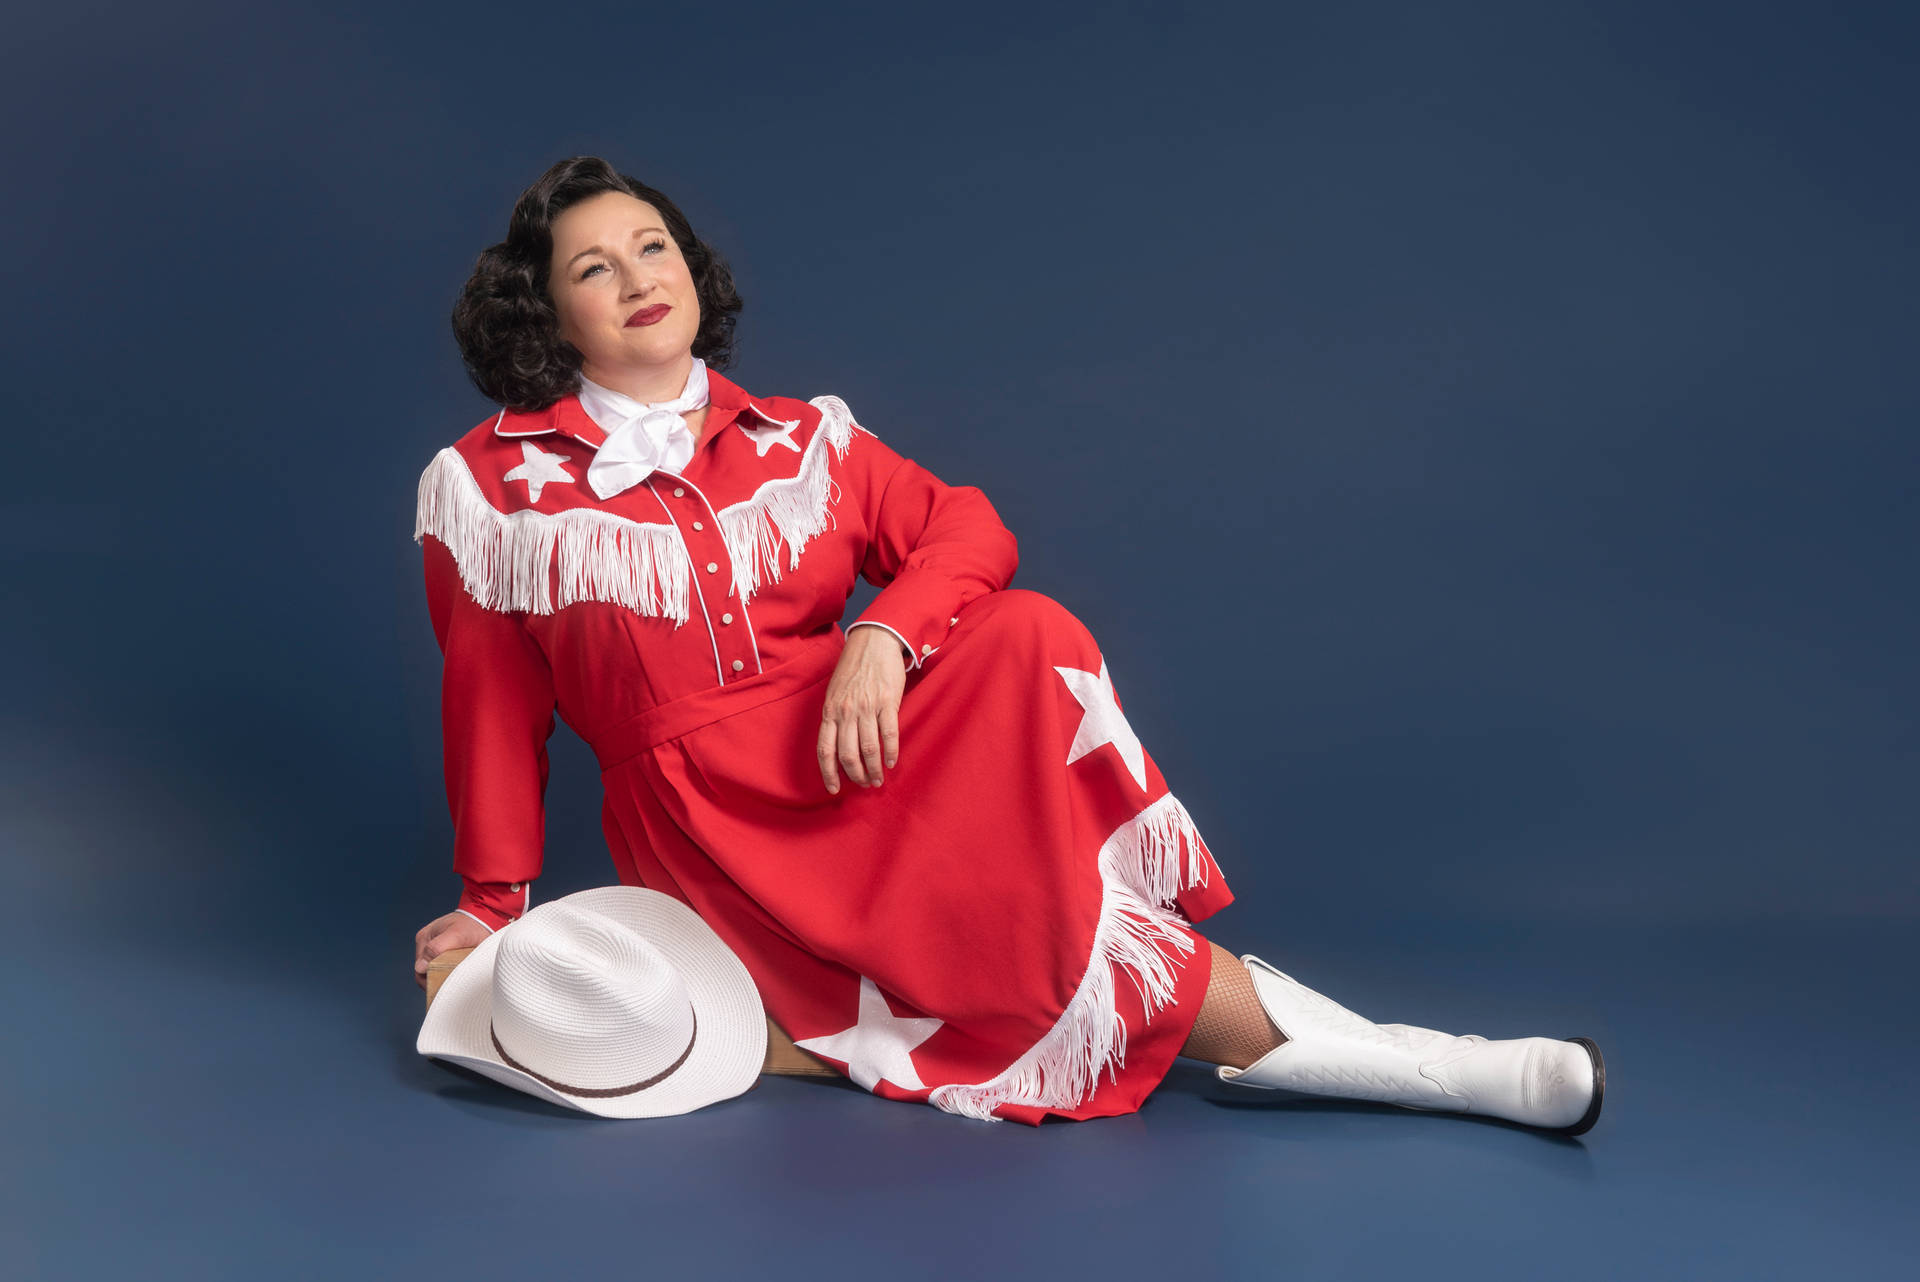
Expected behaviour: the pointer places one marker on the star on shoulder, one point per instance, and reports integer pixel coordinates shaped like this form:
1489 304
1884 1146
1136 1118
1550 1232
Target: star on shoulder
539 469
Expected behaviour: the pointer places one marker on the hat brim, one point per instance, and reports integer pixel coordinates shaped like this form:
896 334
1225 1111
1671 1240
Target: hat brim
729 1048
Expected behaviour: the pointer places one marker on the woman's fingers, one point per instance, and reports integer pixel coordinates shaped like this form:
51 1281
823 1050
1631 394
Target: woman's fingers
423 941
890 732
851 743
870 748
429 949
829 769
852 762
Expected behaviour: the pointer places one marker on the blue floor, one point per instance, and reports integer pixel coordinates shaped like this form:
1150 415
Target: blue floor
256 1110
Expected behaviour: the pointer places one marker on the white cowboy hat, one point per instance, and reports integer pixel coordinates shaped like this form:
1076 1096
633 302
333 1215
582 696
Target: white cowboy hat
618 1001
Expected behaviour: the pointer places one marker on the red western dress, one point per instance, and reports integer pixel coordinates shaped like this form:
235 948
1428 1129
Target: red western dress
1001 929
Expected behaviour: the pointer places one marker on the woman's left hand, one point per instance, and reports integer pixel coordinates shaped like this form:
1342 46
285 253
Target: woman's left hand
860 724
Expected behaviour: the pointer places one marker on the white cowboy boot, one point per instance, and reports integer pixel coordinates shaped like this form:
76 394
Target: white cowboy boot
1539 1081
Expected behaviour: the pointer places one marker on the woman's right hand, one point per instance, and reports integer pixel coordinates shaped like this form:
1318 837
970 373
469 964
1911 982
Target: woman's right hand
443 934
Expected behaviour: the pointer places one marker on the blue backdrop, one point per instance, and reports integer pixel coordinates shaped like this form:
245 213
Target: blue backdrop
1480 436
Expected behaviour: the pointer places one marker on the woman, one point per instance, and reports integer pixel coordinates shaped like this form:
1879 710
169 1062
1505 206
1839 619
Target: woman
997 918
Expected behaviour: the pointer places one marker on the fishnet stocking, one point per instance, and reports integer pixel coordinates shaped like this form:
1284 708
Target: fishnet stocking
1233 1027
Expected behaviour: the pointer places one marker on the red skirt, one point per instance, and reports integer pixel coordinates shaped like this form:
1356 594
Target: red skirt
1000 930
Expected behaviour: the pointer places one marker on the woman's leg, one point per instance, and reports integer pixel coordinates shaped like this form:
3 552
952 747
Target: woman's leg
1233 1027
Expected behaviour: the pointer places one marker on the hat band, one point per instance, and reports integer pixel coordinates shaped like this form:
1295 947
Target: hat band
588 1092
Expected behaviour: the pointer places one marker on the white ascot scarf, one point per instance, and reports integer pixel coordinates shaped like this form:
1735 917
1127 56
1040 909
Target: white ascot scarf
641 437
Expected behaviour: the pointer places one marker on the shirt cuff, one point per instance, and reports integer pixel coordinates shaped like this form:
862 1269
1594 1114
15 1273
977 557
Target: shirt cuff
918 607
495 903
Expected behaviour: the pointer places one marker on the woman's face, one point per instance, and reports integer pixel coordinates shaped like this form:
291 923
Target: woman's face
613 259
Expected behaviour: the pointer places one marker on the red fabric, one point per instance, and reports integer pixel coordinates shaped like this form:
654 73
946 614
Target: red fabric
965 890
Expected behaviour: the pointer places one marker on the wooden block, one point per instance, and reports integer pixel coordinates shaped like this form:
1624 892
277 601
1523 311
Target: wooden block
783 1057
788 1060
440 967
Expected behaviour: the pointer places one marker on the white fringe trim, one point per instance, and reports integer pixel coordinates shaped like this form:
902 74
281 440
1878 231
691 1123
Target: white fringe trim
506 558
793 508
1140 875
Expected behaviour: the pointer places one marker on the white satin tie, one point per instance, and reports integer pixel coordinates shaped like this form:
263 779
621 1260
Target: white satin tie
646 436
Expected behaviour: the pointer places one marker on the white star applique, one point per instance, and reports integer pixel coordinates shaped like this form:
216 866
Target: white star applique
878 1044
539 468
1103 722
768 435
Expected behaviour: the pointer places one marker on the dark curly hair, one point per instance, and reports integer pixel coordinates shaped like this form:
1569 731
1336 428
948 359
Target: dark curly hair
505 323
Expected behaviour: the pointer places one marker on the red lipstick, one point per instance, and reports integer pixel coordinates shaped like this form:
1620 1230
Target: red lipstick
648 315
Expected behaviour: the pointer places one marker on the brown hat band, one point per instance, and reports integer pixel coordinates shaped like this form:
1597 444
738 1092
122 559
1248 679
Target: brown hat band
585 1092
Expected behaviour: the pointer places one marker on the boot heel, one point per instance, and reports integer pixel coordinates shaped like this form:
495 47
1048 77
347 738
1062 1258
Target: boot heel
1592 1115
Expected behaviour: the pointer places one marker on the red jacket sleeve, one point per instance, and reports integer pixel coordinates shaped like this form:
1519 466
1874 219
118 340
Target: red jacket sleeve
496 715
932 547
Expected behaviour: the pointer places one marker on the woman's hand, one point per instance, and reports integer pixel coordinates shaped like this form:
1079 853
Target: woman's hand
443 935
860 724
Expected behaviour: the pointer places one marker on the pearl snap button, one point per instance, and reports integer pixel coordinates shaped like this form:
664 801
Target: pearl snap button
726 618
737 665
712 566
514 886
926 649
678 492
698 526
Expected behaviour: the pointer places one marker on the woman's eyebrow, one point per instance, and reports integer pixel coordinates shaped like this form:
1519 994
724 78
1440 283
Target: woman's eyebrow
595 249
